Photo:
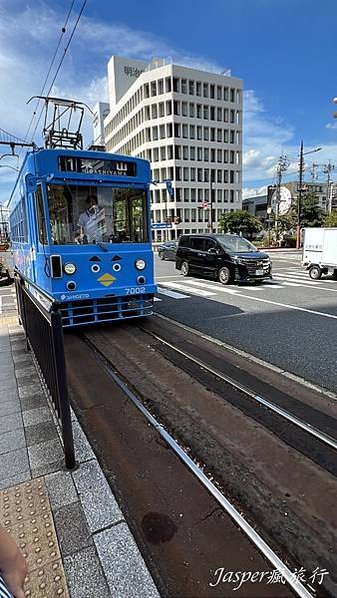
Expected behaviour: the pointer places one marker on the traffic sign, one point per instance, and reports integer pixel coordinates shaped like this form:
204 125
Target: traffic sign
160 225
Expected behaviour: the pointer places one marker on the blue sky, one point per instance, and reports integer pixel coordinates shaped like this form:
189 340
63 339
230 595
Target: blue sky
284 50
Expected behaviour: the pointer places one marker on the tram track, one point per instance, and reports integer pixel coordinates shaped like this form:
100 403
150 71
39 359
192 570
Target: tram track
289 416
192 464
201 434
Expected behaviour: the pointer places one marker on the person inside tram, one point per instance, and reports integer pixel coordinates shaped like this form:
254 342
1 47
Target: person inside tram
86 221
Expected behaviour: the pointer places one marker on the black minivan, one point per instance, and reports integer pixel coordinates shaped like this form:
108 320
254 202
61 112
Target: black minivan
225 257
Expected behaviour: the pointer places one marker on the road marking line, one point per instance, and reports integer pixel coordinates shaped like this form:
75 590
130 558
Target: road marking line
292 284
157 299
312 284
212 287
172 294
304 309
181 287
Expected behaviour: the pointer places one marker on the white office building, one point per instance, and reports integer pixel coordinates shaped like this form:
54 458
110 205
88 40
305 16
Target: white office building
188 124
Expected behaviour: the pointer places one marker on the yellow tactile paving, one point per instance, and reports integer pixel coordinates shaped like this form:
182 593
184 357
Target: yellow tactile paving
9 320
26 515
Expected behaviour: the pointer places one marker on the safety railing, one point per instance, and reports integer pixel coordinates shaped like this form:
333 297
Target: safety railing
42 323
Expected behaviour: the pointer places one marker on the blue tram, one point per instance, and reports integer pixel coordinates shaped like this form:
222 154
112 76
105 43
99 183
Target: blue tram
80 230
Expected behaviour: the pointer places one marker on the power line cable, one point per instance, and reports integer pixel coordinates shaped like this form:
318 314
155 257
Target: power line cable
61 61
63 31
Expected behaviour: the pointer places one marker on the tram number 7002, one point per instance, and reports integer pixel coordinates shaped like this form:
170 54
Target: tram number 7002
135 290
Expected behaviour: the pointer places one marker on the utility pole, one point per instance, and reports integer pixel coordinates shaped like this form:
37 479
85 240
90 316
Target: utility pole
281 167
327 169
299 198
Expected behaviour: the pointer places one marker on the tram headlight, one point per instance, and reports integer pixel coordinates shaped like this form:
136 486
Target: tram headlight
69 268
140 264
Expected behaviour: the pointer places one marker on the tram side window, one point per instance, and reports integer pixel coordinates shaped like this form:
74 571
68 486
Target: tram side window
130 223
18 223
41 219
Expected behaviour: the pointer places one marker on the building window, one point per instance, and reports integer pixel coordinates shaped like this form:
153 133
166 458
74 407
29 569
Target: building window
162 131
206 112
193 195
146 90
177 152
199 175
232 95
168 84
153 88
192 111
219 176
219 92
205 90
232 137
163 153
186 194
198 88
199 111
176 108
155 154
175 84
192 132
154 111
192 153
177 173
219 114
219 135
212 91
191 88
219 155
176 129
184 86
192 174
206 133
199 133
161 108
170 153
160 86
206 175
225 115
184 110
185 173
206 154
185 131
199 154
154 133
225 94
169 131
232 117
212 113
225 135
185 152
168 108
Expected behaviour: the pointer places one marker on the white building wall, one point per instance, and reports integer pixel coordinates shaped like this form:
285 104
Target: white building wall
169 117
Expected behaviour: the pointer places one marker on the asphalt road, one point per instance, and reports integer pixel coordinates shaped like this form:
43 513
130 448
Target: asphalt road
290 321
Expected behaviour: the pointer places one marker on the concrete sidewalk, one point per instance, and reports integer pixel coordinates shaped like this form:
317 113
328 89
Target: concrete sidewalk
68 524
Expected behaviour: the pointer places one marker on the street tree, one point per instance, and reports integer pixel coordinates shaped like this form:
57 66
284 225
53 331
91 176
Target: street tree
311 212
240 221
330 220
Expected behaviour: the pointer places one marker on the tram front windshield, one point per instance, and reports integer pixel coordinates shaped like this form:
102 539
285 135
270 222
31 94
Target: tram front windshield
81 214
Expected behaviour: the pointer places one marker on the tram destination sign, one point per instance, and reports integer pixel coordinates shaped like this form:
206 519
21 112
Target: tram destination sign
94 166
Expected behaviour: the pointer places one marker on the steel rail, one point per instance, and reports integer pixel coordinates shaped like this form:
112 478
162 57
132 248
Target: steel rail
272 557
325 438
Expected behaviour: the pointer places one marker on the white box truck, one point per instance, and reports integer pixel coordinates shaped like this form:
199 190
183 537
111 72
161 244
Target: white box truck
320 252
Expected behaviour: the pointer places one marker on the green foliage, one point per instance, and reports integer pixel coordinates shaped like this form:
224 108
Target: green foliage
240 221
311 213
330 220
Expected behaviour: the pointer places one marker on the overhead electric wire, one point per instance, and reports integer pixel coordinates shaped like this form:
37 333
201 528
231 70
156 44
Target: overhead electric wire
61 61
12 135
63 30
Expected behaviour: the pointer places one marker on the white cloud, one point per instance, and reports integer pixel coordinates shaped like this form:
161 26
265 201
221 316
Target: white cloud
331 125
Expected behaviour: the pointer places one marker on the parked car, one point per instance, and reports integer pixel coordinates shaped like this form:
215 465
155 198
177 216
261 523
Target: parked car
227 258
167 251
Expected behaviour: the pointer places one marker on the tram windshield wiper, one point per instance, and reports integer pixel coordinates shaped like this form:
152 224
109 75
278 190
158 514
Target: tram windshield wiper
91 234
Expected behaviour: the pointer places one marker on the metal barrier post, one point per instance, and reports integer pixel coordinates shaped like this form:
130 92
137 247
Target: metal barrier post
62 390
